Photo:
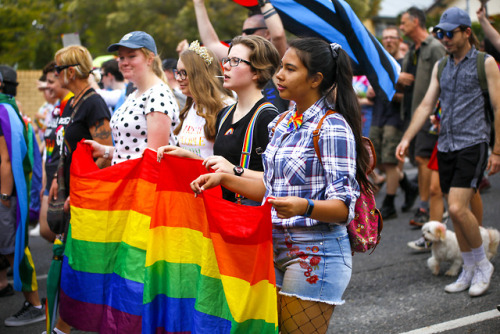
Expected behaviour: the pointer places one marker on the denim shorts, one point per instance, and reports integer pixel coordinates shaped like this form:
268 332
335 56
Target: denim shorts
313 263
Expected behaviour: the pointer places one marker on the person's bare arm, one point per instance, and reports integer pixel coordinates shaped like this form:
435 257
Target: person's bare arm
489 31
493 78
251 188
275 27
420 115
6 176
101 133
158 129
207 32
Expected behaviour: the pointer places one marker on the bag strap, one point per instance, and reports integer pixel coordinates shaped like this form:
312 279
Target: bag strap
76 107
367 143
282 116
246 150
224 117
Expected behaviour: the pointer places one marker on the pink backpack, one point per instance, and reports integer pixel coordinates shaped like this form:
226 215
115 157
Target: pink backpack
365 229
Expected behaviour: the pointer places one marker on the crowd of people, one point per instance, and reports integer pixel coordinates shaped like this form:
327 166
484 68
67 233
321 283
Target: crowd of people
248 111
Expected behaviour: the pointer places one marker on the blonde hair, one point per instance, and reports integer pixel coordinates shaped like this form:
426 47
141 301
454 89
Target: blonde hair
264 56
206 89
156 66
76 54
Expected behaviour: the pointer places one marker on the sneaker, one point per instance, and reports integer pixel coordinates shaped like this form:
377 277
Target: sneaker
27 315
482 278
35 231
7 291
421 217
388 212
463 281
420 245
411 195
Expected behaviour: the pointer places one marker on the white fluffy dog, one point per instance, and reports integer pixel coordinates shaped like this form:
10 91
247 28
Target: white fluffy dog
445 246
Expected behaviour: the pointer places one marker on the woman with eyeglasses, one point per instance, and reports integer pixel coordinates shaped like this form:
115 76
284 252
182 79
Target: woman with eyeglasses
85 116
199 77
150 113
313 200
241 128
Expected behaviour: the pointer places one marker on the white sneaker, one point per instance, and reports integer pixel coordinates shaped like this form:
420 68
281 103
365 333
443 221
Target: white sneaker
35 231
482 278
463 281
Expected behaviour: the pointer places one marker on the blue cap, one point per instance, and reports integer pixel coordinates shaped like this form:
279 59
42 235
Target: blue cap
135 40
452 18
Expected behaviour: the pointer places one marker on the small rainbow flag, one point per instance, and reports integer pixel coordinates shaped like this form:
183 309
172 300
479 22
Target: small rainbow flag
145 256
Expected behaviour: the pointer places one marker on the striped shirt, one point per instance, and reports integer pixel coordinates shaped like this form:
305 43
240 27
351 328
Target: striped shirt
291 167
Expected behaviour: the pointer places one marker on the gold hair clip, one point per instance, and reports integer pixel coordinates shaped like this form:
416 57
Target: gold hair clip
201 51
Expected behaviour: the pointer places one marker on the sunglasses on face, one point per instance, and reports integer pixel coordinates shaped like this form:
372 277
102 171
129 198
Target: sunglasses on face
234 61
61 68
251 31
182 74
441 33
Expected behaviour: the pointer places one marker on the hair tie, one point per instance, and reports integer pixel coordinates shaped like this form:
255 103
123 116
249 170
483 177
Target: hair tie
333 48
201 51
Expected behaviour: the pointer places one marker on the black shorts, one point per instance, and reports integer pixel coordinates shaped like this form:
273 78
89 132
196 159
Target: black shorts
424 143
463 168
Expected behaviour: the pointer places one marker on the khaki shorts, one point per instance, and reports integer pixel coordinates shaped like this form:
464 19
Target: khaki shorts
385 140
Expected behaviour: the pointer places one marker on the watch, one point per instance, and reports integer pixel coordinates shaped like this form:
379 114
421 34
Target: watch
106 152
238 170
309 209
5 197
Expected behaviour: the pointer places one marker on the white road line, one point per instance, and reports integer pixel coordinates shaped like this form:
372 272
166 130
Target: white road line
457 323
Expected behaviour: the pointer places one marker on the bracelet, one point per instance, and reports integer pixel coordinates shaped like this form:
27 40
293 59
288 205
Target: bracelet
267 14
309 209
495 153
106 152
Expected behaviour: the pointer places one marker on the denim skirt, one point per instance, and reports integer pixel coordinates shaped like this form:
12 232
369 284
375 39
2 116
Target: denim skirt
313 263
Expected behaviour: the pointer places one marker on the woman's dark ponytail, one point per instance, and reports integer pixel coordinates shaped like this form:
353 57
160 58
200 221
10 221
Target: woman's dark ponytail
334 63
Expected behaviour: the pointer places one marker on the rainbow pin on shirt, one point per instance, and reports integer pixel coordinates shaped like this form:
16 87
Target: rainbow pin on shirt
294 123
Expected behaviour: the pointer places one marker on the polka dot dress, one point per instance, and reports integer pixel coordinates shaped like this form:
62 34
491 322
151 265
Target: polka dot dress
129 125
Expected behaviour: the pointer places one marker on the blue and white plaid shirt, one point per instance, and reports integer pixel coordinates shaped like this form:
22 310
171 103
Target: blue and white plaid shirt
291 167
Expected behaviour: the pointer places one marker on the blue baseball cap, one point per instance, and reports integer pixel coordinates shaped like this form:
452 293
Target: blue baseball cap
452 18
135 40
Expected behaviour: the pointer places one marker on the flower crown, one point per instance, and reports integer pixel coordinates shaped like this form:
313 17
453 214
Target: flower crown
201 51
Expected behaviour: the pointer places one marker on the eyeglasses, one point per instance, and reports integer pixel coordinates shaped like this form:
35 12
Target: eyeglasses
392 38
251 31
234 61
441 33
182 74
61 68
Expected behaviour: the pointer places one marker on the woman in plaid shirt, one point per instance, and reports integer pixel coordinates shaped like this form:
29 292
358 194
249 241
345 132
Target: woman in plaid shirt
312 200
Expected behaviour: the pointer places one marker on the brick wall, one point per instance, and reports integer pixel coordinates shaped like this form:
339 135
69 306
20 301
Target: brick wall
28 94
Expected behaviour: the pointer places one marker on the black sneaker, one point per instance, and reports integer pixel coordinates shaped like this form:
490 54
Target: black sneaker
411 194
28 314
420 245
7 291
388 212
421 217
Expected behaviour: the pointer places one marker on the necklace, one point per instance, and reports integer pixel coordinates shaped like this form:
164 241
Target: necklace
77 98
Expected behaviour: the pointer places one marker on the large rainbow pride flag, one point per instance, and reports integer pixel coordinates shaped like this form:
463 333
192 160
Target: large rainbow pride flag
144 255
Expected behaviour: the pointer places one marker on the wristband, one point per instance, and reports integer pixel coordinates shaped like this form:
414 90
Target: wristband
309 209
495 153
106 152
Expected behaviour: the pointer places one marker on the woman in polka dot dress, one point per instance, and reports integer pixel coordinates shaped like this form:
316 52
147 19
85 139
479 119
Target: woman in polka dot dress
148 116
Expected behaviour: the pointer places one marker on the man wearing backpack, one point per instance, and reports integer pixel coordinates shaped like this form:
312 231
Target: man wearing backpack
463 139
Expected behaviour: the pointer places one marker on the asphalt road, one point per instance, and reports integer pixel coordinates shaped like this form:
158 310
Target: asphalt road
391 290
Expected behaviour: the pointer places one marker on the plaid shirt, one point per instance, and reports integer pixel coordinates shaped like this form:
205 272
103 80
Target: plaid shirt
291 167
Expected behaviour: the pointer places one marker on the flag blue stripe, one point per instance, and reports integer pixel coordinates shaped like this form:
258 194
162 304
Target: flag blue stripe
122 294
179 315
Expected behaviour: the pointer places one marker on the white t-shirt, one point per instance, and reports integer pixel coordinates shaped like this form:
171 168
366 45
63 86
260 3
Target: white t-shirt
192 135
129 125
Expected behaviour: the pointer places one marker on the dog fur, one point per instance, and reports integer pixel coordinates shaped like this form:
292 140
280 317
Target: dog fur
445 246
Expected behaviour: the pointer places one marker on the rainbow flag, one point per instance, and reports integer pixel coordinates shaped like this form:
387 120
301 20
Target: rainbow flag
145 256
